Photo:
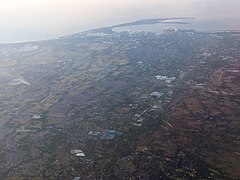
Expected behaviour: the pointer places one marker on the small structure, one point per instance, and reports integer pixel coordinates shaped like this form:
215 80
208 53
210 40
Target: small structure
137 124
109 134
170 93
140 120
36 116
90 133
77 178
19 81
156 94
78 153
93 134
23 130
167 80
170 31
161 77
138 115
154 107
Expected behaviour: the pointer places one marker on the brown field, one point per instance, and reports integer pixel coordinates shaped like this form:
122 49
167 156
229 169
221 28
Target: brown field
207 122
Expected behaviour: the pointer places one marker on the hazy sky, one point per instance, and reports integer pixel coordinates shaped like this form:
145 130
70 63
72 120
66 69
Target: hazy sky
24 20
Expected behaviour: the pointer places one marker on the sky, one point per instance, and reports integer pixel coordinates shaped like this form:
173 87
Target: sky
28 20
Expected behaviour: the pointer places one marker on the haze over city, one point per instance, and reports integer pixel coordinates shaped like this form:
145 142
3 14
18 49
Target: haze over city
28 20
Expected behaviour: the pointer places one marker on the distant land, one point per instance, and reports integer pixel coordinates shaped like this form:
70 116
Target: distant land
153 21
157 25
